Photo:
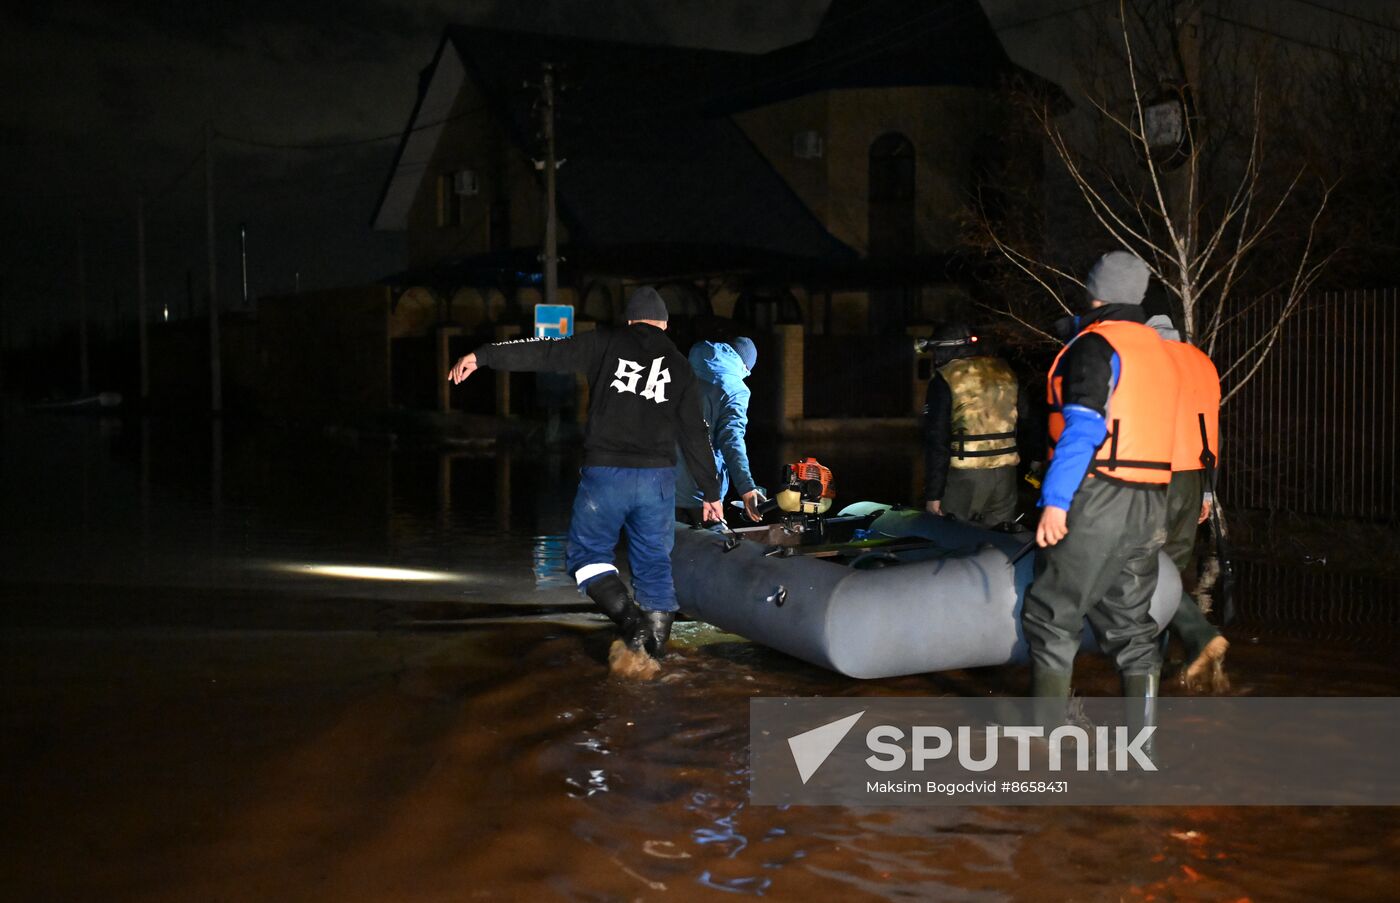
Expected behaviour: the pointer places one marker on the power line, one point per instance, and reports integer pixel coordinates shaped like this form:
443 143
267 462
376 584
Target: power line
858 11
1050 15
944 14
174 183
848 57
874 43
333 185
1388 26
354 142
1249 26
329 145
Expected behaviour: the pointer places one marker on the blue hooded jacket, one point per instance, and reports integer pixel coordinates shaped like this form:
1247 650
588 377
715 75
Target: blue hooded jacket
724 399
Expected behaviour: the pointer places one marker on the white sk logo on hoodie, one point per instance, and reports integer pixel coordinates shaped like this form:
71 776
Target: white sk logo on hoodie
629 373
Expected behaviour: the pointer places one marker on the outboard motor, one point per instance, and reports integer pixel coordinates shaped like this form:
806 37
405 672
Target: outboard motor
805 493
806 488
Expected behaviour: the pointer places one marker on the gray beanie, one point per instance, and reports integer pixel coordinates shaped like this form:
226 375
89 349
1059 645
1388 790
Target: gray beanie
747 352
1163 324
1118 277
645 304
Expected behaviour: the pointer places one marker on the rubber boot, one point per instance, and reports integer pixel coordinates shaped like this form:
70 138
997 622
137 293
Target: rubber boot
610 594
652 632
1141 686
1140 693
1206 670
1051 690
1050 684
1205 649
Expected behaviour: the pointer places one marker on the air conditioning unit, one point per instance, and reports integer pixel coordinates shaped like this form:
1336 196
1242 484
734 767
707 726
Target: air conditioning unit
464 183
807 145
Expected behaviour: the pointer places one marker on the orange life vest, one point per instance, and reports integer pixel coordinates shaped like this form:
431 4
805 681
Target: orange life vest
1197 407
1141 409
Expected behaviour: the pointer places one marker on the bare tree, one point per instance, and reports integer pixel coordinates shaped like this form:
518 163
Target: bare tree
1346 121
1201 201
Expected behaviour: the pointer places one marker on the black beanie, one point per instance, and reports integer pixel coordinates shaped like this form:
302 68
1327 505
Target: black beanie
645 304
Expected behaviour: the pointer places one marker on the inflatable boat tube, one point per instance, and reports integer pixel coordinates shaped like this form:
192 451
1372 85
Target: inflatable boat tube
955 603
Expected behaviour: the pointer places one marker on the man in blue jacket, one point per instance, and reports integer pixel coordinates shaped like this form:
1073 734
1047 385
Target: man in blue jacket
721 368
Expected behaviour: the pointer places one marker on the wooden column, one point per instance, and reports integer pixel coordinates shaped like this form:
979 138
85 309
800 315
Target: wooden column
790 351
504 333
445 361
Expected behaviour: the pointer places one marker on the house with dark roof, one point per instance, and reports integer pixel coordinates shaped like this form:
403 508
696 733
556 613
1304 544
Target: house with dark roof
819 186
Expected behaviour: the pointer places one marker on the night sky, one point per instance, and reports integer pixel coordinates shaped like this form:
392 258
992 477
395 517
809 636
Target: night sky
107 100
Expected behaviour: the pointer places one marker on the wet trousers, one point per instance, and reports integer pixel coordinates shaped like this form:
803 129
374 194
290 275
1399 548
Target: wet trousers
1183 510
641 500
986 496
1104 569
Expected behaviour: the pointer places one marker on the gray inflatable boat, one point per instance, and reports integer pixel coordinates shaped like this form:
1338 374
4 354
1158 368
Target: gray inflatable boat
910 593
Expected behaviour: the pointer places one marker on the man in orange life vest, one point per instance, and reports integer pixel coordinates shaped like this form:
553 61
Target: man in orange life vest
1112 395
1189 499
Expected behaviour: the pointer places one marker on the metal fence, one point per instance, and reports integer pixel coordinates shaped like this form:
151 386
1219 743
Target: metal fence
1317 603
1314 430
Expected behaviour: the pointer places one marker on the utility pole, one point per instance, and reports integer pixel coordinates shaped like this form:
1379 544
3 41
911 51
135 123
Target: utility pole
5 341
216 401
141 348
84 374
243 258
551 237
1184 184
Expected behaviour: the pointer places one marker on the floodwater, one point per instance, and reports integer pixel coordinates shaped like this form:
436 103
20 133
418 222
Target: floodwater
210 693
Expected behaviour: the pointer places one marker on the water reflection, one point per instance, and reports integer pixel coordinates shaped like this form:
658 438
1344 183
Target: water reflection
357 765
595 782
364 572
156 502
755 885
548 554
160 504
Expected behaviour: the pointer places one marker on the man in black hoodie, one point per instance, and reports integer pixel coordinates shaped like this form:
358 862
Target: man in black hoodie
644 400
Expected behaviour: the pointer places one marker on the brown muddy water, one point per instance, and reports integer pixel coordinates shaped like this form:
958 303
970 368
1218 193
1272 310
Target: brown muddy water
189 712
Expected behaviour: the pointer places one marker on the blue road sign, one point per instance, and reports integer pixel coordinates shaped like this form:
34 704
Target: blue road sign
554 321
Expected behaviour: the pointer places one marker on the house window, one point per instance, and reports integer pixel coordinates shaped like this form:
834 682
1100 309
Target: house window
449 206
892 219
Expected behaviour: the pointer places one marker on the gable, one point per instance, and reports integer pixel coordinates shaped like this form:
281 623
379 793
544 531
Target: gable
426 124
